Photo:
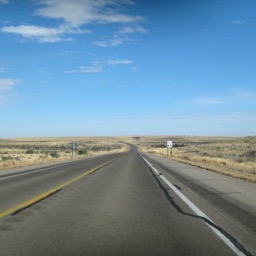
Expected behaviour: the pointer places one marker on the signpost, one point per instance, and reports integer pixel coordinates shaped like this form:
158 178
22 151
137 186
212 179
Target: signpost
73 147
169 148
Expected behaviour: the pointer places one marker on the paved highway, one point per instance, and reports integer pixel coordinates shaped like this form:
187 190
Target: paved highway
113 205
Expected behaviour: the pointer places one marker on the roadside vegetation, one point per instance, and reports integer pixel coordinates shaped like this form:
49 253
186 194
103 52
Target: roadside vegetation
234 156
24 152
83 151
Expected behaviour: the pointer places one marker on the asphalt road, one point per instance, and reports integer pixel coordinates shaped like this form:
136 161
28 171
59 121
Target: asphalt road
121 208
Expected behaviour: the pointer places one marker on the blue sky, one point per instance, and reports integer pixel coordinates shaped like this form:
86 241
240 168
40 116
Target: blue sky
127 67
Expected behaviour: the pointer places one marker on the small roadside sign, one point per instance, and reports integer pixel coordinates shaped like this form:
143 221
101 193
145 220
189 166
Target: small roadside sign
73 145
169 143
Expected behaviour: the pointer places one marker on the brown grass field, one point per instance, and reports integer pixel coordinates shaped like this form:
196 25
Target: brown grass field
25 152
234 156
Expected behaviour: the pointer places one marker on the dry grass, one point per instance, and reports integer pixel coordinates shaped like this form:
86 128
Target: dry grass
234 156
31 151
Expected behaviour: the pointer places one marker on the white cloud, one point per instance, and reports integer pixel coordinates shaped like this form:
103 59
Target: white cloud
43 34
119 62
131 29
190 123
235 97
121 36
2 69
111 43
243 95
203 115
239 22
4 1
79 12
135 69
69 52
6 84
96 67
2 99
208 101
75 14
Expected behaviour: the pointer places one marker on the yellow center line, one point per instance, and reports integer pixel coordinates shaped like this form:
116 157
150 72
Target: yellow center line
49 192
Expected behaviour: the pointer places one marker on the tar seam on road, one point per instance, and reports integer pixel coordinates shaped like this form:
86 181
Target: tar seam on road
48 193
231 242
30 205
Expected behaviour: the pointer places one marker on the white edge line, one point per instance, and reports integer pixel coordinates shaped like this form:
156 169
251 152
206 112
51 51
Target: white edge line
41 170
31 172
196 210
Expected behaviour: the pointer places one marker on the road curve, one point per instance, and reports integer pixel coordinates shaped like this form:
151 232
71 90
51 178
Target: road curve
119 209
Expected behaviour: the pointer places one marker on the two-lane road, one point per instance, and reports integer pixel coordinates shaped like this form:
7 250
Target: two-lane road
122 208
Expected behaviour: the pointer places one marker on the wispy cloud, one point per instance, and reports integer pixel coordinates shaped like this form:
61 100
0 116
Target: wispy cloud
239 22
182 123
2 69
121 36
235 96
244 95
205 115
96 67
4 1
131 29
135 69
69 52
119 62
6 84
111 43
43 34
80 12
74 15
208 101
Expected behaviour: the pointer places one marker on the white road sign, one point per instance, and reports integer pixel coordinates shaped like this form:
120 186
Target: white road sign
169 143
